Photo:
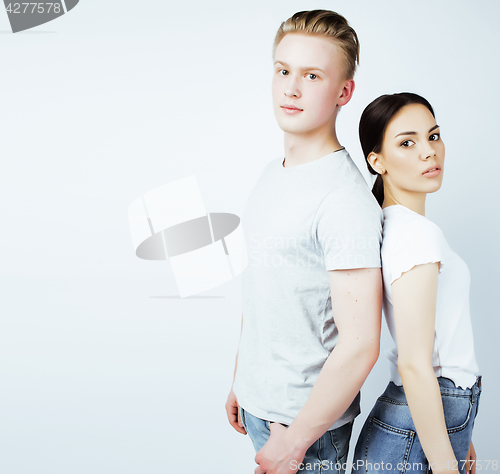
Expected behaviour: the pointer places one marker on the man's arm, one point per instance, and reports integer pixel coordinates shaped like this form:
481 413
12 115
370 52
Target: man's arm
357 308
232 406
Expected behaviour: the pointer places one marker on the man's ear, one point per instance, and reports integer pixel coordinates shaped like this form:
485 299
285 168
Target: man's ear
376 162
347 92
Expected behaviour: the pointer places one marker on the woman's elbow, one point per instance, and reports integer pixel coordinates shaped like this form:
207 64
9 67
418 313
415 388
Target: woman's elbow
414 368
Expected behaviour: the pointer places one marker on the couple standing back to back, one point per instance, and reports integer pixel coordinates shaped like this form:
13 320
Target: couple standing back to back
313 289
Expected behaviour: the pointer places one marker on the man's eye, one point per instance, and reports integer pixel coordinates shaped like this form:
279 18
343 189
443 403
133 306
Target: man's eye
407 143
312 76
283 72
434 137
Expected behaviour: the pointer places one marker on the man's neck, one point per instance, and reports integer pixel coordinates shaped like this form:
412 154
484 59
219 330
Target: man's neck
300 149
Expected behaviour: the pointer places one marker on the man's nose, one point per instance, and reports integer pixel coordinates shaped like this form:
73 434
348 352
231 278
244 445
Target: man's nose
292 88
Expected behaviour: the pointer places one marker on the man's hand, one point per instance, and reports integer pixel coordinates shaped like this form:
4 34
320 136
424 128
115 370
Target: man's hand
471 456
278 456
233 413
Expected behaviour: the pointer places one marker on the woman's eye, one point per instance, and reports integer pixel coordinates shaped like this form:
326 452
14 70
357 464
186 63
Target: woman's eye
283 72
434 137
407 143
312 76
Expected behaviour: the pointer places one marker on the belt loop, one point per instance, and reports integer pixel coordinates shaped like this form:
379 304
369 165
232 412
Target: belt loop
476 389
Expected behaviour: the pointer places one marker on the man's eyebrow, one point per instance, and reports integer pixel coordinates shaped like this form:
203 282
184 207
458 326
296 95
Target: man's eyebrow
414 133
308 68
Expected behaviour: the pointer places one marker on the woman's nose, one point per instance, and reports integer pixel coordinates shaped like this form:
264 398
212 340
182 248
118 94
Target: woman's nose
428 152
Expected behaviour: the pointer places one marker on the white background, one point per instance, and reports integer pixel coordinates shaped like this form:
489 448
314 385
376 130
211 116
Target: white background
102 368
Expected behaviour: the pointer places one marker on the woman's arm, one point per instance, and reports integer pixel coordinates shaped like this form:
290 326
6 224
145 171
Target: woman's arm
414 300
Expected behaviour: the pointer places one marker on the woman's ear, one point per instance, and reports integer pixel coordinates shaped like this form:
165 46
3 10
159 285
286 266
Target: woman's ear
376 162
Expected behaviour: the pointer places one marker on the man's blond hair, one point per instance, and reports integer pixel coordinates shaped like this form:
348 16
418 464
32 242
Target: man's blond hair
328 24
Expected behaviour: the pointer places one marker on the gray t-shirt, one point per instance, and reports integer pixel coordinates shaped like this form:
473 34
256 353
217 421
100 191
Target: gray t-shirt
299 222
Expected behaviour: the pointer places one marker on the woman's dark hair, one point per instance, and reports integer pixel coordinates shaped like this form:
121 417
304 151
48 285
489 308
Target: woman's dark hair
373 124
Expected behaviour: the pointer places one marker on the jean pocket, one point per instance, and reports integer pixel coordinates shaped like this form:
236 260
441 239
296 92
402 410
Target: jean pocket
387 447
242 417
457 412
339 438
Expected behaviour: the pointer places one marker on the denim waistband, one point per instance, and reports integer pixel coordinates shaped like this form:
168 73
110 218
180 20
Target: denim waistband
447 387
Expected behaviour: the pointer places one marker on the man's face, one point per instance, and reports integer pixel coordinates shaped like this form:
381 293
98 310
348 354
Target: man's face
308 84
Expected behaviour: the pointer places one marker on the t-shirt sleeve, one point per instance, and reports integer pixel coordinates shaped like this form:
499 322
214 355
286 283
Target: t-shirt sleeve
419 243
348 229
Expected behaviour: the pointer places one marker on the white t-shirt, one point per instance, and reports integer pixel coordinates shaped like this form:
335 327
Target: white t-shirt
411 239
299 223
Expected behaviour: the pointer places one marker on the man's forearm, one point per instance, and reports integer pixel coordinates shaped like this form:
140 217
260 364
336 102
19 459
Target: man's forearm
336 387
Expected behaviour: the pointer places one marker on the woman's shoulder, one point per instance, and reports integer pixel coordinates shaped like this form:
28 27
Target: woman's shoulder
404 228
399 220
409 239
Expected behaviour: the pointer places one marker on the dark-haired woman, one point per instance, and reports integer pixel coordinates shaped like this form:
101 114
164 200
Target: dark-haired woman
424 419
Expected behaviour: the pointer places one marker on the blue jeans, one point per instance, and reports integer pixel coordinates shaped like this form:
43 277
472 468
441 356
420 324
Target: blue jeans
388 442
327 455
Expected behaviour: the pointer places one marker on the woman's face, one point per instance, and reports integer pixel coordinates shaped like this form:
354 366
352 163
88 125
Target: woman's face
412 152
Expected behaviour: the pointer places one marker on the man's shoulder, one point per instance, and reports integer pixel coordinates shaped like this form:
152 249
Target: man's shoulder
343 176
349 193
352 198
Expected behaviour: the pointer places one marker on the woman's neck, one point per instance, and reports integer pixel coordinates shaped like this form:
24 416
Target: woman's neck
413 201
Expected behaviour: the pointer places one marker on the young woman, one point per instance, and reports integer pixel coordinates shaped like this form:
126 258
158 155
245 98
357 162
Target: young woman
424 419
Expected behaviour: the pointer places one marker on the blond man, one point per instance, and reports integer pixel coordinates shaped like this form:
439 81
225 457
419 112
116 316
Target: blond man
312 289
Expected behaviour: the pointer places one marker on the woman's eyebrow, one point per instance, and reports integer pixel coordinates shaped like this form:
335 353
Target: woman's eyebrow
414 133
405 133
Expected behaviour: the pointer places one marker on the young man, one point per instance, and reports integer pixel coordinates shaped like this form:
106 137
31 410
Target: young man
312 289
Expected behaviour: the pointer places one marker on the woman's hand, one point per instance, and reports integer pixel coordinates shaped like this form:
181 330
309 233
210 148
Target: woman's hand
470 463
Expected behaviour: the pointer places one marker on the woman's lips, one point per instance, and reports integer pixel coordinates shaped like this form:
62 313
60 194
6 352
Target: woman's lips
432 172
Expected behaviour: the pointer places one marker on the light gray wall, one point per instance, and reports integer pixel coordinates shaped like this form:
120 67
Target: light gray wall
118 97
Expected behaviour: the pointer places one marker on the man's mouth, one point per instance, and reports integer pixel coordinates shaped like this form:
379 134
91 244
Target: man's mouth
290 107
